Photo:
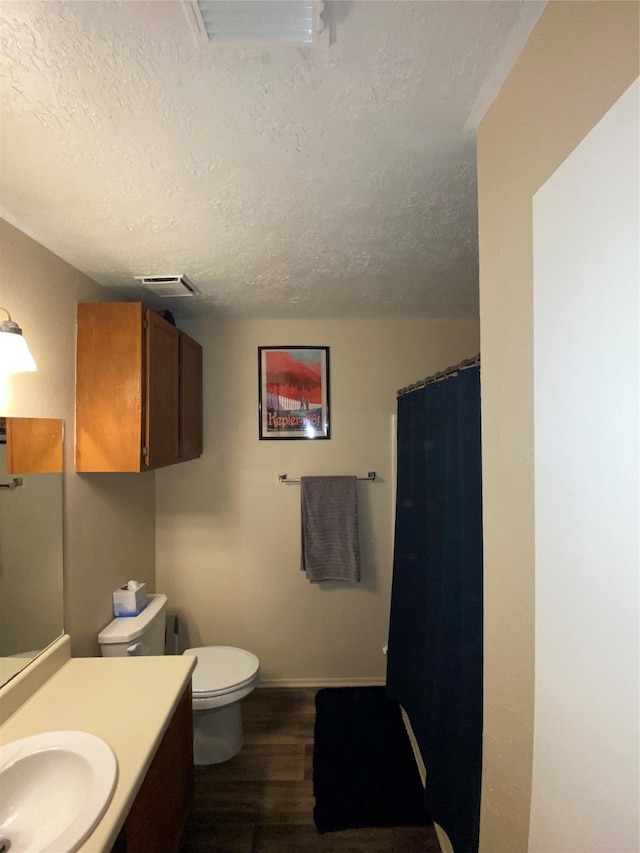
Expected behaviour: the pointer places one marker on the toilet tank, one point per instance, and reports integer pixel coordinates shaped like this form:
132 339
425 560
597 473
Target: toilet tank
128 636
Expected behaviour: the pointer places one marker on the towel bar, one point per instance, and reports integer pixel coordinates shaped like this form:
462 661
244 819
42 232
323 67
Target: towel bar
283 478
17 481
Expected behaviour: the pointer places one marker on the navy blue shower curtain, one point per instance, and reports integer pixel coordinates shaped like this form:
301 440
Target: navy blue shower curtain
434 664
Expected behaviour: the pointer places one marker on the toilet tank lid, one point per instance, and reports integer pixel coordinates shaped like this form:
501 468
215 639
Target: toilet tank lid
124 629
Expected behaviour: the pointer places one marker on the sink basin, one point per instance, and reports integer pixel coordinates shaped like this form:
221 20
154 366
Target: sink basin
54 788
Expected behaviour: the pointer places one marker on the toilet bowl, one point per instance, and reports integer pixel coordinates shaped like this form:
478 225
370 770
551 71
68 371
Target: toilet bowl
223 676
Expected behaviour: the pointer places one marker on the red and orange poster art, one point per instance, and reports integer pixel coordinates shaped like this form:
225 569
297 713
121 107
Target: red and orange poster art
294 392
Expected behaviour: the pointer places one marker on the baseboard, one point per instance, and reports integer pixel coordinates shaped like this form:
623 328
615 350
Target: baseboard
322 682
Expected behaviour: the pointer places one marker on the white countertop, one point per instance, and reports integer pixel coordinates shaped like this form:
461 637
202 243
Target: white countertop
128 702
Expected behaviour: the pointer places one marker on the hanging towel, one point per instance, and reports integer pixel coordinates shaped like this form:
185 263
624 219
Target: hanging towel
329 515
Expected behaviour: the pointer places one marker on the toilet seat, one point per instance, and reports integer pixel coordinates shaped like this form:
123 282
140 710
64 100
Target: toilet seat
221 670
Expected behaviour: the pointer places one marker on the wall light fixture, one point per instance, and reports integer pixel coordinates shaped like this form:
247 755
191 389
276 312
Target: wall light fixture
14 352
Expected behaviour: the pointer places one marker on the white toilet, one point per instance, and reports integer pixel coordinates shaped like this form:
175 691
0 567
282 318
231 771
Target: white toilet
222 677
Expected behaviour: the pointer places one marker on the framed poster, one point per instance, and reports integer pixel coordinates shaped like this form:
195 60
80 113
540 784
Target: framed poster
293 392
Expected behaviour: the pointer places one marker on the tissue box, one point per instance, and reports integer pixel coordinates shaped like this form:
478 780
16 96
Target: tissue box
129 602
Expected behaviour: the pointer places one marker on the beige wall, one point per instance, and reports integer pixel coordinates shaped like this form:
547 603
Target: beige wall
580 58
110 518
228 534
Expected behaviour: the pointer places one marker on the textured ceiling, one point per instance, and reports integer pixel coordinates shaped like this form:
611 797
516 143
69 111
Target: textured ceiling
336 180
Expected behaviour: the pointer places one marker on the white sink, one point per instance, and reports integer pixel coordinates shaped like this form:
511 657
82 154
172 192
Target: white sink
54 788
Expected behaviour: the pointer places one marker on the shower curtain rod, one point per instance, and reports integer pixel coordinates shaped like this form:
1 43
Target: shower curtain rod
443 374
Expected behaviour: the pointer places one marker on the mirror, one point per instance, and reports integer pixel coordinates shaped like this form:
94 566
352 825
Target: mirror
31 539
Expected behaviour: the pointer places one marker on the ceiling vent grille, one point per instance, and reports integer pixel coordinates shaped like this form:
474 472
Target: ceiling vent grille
168 286
274 21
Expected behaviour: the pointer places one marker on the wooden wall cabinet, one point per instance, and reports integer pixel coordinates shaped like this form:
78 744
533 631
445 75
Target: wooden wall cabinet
34 445
138 390
190 398
157 818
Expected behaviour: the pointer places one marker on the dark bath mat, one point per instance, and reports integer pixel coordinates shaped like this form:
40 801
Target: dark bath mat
364 771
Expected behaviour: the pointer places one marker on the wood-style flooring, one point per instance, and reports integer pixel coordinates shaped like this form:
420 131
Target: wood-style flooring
261 801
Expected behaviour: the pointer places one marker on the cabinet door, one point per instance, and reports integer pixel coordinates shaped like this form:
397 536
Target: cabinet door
34 446
109 399
160 810
190 398
162 392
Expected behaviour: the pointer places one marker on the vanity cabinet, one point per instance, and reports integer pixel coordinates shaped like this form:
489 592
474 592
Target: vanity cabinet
138 390
157 818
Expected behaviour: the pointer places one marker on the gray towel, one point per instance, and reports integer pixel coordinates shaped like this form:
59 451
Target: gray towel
329 514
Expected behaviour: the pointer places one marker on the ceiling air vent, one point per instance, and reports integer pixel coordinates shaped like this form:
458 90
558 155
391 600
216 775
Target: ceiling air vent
168 285
275 21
